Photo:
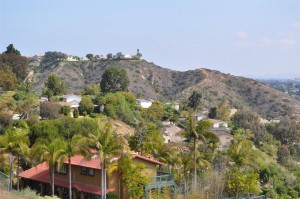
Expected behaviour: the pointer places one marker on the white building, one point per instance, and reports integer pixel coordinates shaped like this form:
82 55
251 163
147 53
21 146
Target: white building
72 99
144 103
199 116
71 58
219 123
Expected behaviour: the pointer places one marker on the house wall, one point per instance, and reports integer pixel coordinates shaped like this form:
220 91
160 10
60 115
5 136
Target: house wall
78 177
151 168
220 124
113 182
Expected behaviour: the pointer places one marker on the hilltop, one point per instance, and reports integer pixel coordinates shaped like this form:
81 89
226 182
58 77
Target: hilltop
155 82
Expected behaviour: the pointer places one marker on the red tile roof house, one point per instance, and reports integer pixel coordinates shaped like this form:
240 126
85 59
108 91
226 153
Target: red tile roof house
86 178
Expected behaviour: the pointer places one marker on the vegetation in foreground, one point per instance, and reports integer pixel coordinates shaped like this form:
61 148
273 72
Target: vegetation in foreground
261 158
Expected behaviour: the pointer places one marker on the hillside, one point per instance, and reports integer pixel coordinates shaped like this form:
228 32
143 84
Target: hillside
155 82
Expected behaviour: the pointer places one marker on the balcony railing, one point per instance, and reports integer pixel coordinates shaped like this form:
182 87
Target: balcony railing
160 181
252 197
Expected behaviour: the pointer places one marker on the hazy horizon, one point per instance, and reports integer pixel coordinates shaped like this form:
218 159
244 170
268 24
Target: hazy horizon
249 38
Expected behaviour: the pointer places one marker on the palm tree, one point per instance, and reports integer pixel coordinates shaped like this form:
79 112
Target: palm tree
77 145
15 142
185 161
196 133
46 152
108 144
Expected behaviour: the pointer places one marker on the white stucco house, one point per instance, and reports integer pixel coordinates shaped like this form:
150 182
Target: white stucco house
199 116
72 99
71 58
218 123
144 103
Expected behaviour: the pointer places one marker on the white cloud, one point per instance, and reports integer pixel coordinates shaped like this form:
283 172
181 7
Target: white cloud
288 42
242 35
296 25
266 42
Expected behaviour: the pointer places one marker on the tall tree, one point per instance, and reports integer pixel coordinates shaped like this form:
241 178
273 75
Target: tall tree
45 151
134 177
195 133
114 79
53 86
194 100
108 144
77 145
15 142
241 182
8 80
185 161
89 56
18 64
155 112
11 49
49 110
86 105
223 110
247 119
212 113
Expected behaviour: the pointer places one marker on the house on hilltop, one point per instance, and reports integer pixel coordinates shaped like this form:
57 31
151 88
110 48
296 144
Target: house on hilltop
38 57
86 178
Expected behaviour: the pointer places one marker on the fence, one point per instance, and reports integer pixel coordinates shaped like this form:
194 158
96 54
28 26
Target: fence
4 180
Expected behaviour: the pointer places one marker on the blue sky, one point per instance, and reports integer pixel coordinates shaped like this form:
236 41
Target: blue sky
241 37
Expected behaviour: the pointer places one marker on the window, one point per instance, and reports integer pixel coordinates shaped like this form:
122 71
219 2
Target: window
87 171
63 169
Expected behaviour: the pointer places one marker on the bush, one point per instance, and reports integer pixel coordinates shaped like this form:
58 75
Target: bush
86 105
292 193
75 113
65 110
118 107
112 195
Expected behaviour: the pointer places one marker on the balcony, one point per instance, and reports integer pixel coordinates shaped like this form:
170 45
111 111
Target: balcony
159 181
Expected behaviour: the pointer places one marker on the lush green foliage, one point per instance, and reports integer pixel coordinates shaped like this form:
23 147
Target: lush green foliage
86 105
194 100
53 86
134 177
114 79
54 56
11 49
14 63
49 110
118 107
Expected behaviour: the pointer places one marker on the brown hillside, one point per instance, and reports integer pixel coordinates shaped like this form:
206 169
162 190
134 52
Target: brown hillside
155 82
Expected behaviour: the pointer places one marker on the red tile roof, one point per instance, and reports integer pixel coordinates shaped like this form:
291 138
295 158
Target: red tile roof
94 162
41 173
148 159
79 160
